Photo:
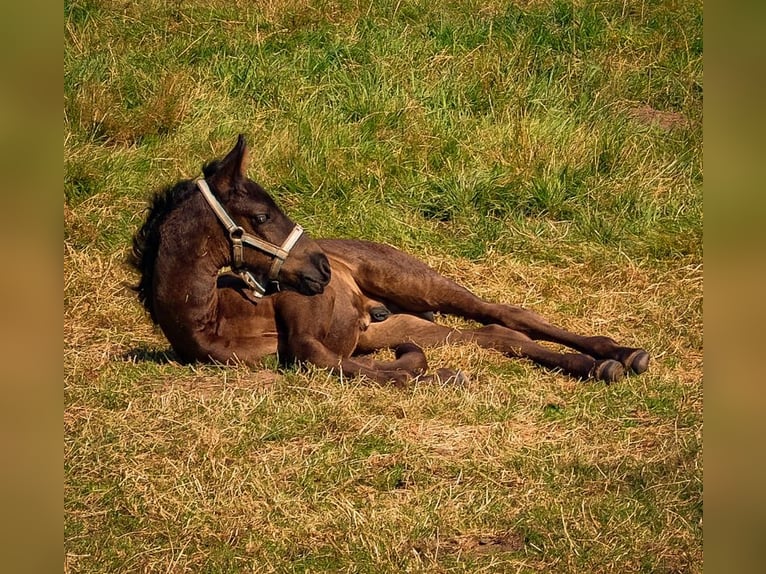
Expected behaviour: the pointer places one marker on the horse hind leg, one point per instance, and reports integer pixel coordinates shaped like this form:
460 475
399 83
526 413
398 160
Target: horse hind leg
408 285
459 301
400 280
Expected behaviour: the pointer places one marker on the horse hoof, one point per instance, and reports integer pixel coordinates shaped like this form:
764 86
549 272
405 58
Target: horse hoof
637 361
608 371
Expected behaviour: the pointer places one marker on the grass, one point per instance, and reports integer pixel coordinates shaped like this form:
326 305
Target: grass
545 153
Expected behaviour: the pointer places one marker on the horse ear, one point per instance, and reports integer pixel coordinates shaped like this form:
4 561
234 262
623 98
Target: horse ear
231 169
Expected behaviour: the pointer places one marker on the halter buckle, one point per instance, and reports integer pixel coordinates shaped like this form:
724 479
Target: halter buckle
258 290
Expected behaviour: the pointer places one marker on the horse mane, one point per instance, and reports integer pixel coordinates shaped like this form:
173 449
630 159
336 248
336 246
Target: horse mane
146 241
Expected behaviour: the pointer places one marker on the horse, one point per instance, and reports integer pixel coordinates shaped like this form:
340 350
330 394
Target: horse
230 278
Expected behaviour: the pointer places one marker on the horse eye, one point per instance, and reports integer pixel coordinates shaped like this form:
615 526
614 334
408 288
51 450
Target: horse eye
261 218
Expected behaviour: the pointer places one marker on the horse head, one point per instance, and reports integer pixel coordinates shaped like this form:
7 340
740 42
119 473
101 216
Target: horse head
269 251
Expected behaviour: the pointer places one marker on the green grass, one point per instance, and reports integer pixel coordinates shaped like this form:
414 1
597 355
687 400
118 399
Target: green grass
544 153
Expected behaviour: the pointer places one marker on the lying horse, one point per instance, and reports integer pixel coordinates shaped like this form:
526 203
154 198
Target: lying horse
229 277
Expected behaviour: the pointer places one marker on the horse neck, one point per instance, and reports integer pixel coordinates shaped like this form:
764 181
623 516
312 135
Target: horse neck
191 253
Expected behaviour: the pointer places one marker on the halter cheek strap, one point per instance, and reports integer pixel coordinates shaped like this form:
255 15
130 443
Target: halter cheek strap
240 238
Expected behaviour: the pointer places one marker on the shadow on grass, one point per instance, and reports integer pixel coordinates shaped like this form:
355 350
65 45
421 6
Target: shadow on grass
143 354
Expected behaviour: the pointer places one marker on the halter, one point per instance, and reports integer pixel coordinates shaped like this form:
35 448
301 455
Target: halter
239 238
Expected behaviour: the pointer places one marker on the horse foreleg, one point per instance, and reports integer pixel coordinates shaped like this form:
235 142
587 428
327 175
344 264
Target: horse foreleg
408 328
410 361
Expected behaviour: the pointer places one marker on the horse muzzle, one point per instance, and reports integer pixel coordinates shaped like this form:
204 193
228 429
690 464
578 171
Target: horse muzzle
313 280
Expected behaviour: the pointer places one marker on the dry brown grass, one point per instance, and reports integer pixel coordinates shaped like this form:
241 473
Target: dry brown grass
300 464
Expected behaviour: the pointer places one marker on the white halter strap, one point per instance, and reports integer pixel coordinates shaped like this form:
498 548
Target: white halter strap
240 238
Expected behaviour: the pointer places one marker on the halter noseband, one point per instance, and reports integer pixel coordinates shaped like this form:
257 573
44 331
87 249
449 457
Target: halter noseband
239 238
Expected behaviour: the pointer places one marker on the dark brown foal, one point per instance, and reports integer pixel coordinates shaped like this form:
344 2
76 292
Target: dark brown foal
327 302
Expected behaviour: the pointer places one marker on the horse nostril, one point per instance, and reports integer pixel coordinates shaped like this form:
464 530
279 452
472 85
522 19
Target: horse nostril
323 266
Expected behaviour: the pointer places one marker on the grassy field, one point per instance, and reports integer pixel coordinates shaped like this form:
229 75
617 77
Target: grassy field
542 153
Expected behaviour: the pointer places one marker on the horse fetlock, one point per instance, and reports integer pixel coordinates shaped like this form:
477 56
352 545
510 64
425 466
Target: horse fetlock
603 346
